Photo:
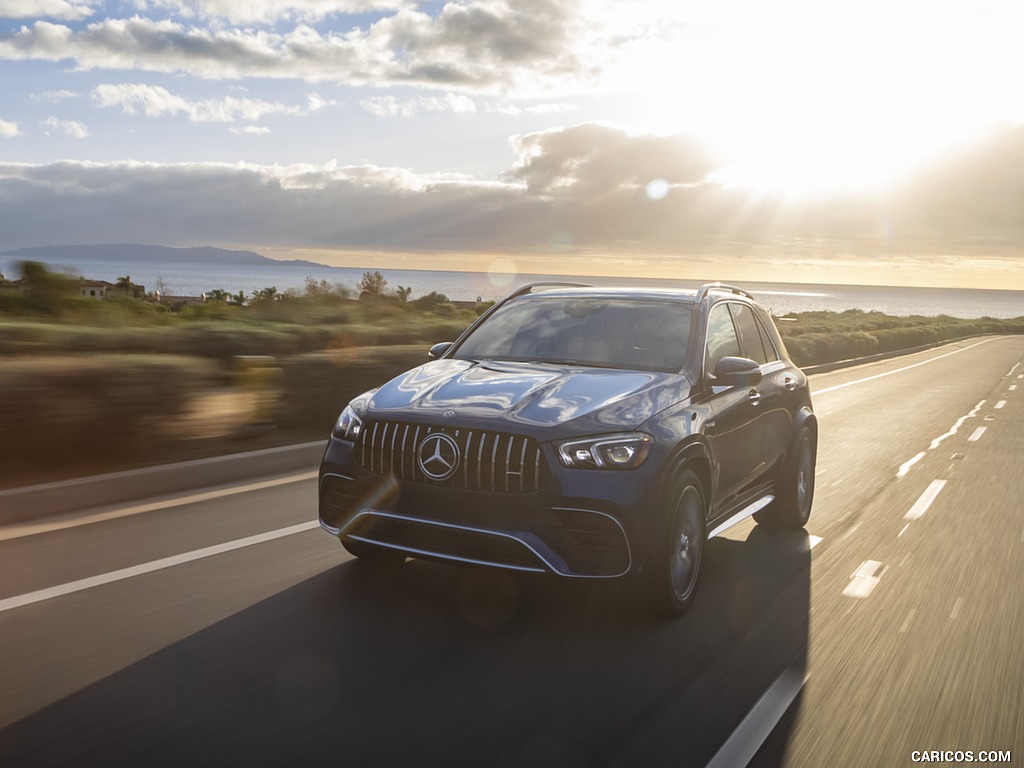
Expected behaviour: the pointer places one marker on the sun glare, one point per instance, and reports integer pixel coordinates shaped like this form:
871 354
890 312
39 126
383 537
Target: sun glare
805 98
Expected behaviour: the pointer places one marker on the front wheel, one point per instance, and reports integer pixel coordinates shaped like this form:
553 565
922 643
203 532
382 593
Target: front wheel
672 585
792 505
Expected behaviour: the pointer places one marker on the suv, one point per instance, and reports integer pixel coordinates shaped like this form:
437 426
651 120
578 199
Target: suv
584 432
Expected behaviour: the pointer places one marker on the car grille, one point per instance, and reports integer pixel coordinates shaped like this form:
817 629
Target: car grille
488 461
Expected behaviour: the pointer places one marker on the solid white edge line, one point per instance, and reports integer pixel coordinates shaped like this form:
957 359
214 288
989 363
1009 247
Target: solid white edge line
976 435
925 500
898 370
740 748
155 565
31 529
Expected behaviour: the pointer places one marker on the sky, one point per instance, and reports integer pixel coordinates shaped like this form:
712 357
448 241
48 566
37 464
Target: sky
876 142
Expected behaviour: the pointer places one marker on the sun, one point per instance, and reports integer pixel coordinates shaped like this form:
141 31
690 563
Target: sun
809 98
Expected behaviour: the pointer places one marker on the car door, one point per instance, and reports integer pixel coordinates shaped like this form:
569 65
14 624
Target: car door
734 437
776 421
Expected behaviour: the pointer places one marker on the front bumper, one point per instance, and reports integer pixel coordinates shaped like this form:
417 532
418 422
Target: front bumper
583 524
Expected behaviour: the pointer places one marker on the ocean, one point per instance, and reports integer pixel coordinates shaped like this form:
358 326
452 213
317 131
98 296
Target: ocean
192 279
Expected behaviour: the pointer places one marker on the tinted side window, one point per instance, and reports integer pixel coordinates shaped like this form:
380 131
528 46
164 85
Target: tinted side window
750 336
722 340
766 340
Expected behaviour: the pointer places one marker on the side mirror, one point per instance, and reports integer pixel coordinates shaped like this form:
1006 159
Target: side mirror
438 350
737 372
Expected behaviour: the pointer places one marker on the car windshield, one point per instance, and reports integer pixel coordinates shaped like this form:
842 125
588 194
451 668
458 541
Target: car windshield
625 333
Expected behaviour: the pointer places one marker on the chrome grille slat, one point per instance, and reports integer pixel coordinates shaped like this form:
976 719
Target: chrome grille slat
480 461
494 459
508 461
522 466
390 448
373 445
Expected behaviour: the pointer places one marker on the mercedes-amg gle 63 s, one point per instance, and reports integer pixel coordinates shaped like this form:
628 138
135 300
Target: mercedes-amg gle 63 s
588 433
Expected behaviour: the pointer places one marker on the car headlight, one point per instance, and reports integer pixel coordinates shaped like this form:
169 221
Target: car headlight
348 425
626 451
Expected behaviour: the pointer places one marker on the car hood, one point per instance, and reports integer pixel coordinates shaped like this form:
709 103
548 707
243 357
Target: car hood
527 396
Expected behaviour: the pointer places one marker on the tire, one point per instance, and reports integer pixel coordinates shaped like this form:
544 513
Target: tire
672 583
371 553
795 494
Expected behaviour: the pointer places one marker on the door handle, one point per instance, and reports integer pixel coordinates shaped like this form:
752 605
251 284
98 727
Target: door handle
754 397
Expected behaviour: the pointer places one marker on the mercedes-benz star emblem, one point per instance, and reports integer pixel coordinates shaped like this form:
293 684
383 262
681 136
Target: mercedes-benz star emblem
438 456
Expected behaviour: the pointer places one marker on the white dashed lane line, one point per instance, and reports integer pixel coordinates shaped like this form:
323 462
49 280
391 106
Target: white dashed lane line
863 581
925 500
976 435
1000 404
908 621
905 466
959 606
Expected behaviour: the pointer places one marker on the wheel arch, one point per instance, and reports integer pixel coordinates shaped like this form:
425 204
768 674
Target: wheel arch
696 457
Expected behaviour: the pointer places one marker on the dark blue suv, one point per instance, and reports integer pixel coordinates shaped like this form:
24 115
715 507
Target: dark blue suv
584 432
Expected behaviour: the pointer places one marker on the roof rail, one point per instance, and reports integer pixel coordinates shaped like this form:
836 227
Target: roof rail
528 288
707 288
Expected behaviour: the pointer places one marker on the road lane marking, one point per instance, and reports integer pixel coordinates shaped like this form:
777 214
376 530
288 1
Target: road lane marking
906 465
1000 405
156 565
908 621
1013 387
863 581
903 530
957 608
925 500
742 745
1015 367
976 435
898 370
959 423
31 529
813 541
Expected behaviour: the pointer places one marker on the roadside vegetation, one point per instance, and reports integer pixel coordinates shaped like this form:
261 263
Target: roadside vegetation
89 385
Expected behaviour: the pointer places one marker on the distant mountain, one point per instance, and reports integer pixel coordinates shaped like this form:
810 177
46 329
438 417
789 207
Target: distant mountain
136 254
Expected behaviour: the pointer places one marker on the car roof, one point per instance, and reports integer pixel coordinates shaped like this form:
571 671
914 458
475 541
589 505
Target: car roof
684 295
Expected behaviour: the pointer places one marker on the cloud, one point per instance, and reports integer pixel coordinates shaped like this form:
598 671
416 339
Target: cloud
482 46
251 130
157 101
72 128
389 106
8 130
584 188
54 9
53 97
592 159
269 11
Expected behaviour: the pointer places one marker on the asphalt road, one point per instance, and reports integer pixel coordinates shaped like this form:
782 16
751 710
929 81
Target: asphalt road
228 630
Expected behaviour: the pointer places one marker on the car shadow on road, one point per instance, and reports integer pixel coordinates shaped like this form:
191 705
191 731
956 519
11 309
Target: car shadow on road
435 665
